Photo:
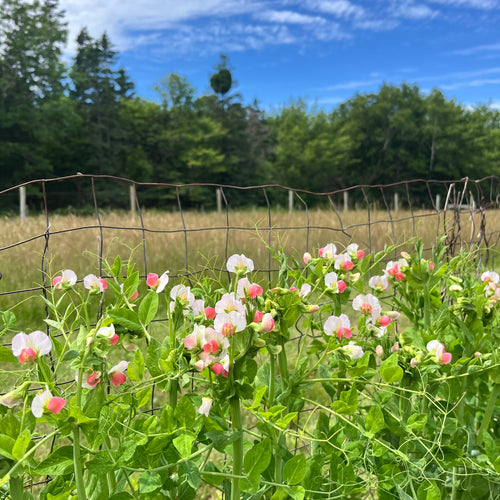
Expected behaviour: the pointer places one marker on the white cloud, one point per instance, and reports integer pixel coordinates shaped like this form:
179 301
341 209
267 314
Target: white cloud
410 10
477 49
338 8
289 17
352 85
376 24
471 83
475 4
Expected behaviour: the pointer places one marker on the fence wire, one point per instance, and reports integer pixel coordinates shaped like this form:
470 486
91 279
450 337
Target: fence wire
82 222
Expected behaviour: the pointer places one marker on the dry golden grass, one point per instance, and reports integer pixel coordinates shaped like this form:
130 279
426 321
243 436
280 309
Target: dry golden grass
195 240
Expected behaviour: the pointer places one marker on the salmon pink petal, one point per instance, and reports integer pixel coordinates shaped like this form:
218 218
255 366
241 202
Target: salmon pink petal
117 378
445 358
56 404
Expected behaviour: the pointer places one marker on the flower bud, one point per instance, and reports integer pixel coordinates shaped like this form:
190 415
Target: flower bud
313 308
307 257
379 351
395 347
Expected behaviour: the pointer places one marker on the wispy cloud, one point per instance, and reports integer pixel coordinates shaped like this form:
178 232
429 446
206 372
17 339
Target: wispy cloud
471 83
289 17
338 8
474 4
493 47
412 10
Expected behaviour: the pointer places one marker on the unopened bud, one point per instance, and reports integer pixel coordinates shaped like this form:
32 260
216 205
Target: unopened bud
405 255
477 354
455 288
379 351
313 308
395 347
307 257
413 362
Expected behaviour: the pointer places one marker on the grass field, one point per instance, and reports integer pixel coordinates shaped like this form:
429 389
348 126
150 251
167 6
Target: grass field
194 241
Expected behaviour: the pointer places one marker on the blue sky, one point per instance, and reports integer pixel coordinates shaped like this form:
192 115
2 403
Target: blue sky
323 51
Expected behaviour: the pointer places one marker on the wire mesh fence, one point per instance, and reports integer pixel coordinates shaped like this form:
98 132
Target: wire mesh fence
82 222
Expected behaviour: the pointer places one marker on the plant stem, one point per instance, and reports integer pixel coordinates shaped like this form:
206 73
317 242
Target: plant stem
237 447
16 488
272 362
488 413
80 485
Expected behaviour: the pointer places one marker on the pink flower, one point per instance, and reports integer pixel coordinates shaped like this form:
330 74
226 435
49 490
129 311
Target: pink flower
490 276
229 323
329 251
368 305
44 401
28 347
431 265
157 283
354 252
337 286
338 325
206 404
383 320
343 261
255 291
218 369
306 258
258 317
89 380
94 284
437 349
109 333
239 264
116 374
395 269
210 312
66 280
267 323
245 288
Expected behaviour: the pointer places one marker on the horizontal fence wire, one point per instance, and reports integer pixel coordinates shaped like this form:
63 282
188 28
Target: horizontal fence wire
82 222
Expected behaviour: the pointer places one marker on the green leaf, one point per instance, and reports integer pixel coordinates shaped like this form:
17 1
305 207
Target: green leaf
69 355
143 397
294 470
183 444
296 492
185 412
78 416
21 444
213 480
131 284
135 370
374 421
222 439
52 323
126 318
347 403
390 371
258 458
428 491
123 495
190 470
417 421
101 463
9 319
56 463
6 445
148 308
116 267
149 482
6 355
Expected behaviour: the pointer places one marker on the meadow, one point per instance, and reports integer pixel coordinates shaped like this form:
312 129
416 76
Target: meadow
191 241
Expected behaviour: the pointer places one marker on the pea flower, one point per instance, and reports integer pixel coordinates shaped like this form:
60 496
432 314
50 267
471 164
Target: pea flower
343 261
230 323
490 276
436 349
354 252
89 380
329 251
368 305
338 325
156 283
44 402
28 347
331 281
116 375
306 258
239 264
210 312
353 351
206 404
267 324
379 283
227 303
395 269
94 284
66 280
109 333
246 289
305 290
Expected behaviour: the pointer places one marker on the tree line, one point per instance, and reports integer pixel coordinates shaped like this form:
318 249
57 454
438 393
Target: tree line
58 119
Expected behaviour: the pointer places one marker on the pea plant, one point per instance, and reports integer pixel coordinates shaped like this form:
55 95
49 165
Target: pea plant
347 376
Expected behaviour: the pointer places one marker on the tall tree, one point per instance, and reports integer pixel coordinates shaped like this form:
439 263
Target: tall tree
31 72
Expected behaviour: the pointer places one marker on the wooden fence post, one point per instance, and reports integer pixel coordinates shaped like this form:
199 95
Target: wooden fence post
218 194
132 199
346 201
438 202
290 202
22 203
396 202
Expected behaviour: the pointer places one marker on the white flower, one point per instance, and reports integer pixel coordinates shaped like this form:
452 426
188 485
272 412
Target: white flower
378 283
329 251
28 347
206 404
490 276
228 302
223 321
239 264
353 351
46 402
305 290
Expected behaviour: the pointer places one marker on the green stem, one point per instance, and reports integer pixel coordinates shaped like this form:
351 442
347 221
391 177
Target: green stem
172 393
272 368
16 488
488 413
283 364
237 447
80 485
427 308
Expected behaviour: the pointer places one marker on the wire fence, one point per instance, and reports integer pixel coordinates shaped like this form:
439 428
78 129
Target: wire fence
166 226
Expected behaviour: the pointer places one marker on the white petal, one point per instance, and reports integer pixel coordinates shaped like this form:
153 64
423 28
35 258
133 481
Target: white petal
39 403
40 342
19 342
